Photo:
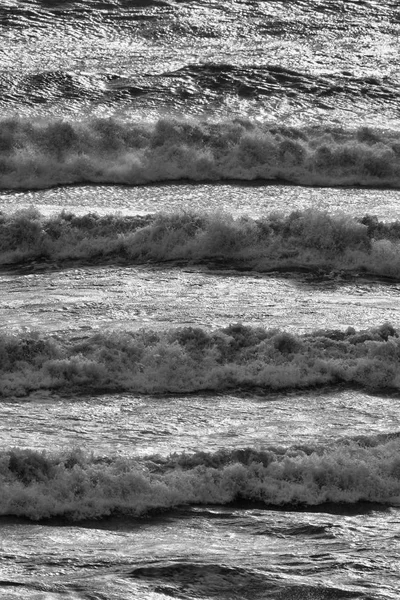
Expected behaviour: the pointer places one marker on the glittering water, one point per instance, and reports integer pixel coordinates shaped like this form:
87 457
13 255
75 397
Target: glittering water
274 473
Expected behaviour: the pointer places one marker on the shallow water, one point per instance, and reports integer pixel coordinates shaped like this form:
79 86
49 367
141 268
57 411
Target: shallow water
246 494
271 554
155 297
236 199
209 551
131 425
200 551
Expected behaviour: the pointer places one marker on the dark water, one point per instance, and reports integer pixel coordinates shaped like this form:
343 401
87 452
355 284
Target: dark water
199 253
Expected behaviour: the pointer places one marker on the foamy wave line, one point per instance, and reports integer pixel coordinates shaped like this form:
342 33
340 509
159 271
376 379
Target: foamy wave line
309 239
78 486
186 360
37 153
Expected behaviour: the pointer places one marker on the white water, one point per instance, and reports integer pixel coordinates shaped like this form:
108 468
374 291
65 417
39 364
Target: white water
128 425
156 297
200 551
339 68
252 200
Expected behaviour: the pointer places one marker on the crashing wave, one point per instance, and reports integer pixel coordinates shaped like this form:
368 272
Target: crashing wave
78 486
188 360
39 153
310 240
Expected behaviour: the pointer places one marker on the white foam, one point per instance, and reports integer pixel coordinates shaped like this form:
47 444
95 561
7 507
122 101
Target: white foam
36 154
188 360
78 486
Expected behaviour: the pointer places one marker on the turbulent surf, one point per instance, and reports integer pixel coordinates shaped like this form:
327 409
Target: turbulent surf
39 154
190 360
76 486
199 275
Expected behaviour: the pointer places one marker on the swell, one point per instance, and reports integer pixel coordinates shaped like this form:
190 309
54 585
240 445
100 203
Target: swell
77 486
217 580
281 18
307 240
40 153
204 82
187 360
32 14
270 79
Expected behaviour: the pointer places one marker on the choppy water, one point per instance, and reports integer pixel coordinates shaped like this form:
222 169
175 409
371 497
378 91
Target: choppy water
199 283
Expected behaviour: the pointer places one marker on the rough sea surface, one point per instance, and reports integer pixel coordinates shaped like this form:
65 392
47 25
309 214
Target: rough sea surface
199 300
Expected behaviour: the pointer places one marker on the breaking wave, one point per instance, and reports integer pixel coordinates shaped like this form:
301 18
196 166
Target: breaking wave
77 486
187 360
309 240
39 153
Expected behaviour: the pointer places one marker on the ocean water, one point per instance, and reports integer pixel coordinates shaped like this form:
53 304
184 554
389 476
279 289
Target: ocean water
199 299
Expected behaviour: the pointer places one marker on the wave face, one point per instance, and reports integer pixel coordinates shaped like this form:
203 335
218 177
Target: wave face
36 154
78 486
186 360
308 240
135 92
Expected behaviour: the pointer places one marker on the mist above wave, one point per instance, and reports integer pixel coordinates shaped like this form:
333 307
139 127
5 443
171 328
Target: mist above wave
78 486
310 240
39 153
185 360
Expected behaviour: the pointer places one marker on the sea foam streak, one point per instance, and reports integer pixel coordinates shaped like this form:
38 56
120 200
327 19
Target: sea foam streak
78 486
185 360
42 153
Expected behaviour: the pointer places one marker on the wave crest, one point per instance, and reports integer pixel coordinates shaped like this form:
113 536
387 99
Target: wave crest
36 154
309 240
79 486
188 359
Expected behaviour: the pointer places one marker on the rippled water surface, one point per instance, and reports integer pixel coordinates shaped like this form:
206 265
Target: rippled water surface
110 53
129 425
236 490
209 551
251 200
91 299
266 550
